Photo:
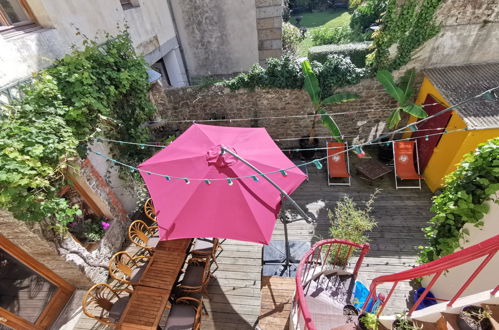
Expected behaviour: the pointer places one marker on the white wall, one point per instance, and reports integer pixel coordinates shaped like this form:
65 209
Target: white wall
150 25
448 284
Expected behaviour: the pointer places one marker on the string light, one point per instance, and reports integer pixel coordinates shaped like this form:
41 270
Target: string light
413 128
229 181
283 172
317 162
168 178
207 181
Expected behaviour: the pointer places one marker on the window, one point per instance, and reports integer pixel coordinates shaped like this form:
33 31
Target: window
14 13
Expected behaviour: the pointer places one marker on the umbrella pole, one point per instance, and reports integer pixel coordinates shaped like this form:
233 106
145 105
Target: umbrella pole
286 245
283 193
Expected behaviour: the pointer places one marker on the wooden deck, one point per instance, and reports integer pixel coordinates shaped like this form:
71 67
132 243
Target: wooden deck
401 214
233 300
277 298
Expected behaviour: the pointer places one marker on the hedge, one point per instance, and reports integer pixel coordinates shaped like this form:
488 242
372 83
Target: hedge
356 51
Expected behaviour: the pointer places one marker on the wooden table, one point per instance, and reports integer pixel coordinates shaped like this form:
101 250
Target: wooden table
151 293
144 309
372 169
175 245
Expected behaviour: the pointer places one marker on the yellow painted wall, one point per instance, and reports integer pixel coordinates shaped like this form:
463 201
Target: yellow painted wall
452 146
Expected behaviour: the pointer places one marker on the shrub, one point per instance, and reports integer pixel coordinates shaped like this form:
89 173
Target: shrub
351 223
339 35
352 4
337 71
356 52
286 73
280 73
291 37
462 200
367 14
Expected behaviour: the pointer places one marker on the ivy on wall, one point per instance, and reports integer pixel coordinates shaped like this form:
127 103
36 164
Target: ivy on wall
462 201
406 26
93 91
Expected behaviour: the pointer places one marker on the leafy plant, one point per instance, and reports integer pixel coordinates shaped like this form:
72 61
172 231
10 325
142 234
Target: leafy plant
338 35
401 92
351 223
291 37
97 89
370 321
462 201
337 71
367 14
312 87
406 26
402 322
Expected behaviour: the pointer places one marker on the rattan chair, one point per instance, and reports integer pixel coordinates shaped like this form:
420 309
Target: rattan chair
104 304
142 235
127 269
204 247
185 313
196 275
149 210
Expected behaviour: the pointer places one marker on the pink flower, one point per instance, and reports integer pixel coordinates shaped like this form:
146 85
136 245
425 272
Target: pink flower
105 225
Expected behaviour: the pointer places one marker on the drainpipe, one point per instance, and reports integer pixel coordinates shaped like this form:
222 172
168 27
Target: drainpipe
177 36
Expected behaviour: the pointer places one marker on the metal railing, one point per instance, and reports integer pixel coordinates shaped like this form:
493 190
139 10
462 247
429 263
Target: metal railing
328 254
487 249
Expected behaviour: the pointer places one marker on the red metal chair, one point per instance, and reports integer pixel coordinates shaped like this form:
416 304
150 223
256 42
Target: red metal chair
403 155
338 163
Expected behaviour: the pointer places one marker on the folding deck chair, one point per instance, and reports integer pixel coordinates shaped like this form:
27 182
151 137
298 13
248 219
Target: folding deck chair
403 155
338 163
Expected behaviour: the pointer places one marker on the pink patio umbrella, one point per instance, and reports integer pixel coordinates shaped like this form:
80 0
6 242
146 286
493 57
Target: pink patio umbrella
194 192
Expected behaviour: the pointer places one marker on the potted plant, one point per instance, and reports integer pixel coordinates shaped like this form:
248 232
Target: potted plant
475 318
368 321
313 89
402 92
351 223
403 322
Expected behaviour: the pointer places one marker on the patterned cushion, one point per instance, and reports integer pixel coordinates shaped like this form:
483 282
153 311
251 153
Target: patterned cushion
152 242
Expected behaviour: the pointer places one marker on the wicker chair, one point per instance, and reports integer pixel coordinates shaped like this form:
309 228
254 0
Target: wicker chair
185 313
196 275
127 269
104 304
204 247
142 235
149 210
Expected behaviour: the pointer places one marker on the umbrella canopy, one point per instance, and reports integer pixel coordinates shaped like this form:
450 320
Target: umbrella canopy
243 209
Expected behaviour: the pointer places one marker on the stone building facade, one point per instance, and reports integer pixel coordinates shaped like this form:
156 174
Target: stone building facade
269 28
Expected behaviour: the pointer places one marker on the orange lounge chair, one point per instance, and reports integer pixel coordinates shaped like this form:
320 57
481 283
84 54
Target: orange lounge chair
338 164
403 155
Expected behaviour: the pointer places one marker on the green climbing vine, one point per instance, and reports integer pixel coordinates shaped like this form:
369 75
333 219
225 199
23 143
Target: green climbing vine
462 201
406 27
97 90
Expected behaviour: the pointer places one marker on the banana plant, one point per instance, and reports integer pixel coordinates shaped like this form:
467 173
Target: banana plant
313 89
402 93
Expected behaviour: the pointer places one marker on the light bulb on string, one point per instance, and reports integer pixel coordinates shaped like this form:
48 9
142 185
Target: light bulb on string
187 181
359 152
283 172
168 178
229 181
255 178
317 164
207 181
413 128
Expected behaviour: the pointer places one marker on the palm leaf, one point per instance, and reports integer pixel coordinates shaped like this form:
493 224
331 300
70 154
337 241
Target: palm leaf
386 79
394 119
415 110
406 83
340 98
311 82
329 122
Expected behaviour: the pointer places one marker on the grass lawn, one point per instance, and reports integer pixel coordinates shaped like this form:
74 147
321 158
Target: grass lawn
329 19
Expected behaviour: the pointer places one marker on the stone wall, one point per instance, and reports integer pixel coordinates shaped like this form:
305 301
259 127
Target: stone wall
469 35
269 27
216 102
